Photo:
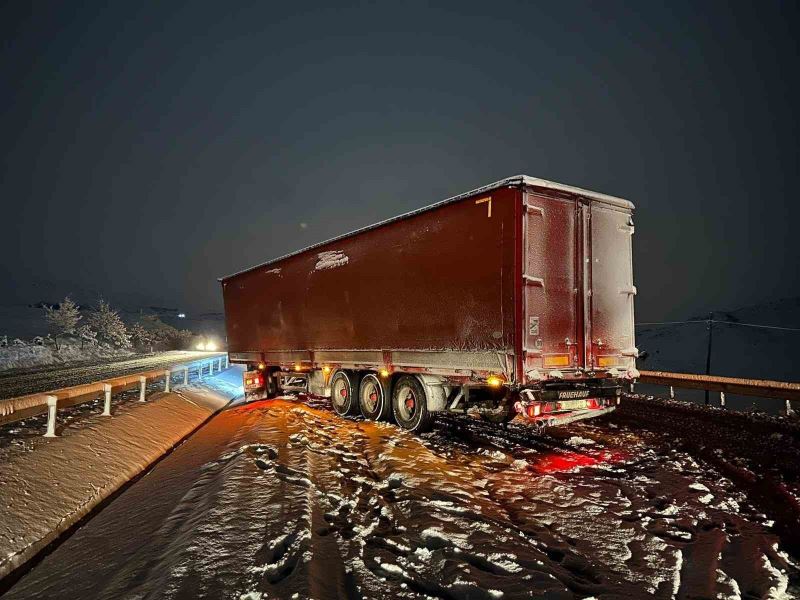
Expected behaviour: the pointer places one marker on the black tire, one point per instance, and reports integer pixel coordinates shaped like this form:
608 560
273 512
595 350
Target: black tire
504 413
271 383
410 405
343 393
374 399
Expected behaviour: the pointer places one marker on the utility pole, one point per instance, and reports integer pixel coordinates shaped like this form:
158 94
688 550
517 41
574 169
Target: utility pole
708 351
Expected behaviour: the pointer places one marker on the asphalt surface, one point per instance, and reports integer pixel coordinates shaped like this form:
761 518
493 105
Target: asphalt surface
283 499
19 382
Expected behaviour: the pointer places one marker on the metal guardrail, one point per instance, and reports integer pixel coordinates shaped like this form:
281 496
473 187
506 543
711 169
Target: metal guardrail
762 388
23 407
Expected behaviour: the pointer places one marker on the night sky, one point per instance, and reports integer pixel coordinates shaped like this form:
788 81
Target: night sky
148 150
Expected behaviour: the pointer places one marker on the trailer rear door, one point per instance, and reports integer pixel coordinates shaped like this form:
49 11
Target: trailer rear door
609 324
551 279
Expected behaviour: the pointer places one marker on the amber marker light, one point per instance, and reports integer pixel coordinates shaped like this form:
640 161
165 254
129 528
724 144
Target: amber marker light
261 366
384 372
556 360
297 367
608 361
494 381
326 370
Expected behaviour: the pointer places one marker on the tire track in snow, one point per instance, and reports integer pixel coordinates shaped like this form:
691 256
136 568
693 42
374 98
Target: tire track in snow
299 501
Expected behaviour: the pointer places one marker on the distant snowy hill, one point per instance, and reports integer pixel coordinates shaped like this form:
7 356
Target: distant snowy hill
740 348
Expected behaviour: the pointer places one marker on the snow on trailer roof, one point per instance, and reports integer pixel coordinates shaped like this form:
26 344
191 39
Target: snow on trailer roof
508 181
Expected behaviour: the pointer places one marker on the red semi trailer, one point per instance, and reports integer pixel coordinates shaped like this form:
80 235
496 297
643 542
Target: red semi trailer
514 298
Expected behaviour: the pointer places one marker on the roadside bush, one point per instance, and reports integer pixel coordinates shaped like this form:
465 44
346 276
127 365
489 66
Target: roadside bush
87 336
166 336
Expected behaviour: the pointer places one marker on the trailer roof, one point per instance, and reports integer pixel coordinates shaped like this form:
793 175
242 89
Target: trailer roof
508 181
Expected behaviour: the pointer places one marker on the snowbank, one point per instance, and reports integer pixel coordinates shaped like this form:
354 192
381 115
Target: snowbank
45 492
30 355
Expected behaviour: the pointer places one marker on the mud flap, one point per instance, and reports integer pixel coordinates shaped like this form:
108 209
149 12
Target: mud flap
435 391
318 384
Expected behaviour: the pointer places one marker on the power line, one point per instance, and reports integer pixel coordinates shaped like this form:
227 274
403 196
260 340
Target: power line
720 322
760 326
672 322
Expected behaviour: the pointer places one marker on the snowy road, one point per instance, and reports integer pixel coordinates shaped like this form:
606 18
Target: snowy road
279 498
18 382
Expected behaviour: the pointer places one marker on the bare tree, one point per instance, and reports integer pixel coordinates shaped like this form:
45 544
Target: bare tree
62 319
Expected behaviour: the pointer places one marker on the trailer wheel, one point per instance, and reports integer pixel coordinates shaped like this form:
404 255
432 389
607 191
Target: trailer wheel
410 405
343 395
271 383
373 398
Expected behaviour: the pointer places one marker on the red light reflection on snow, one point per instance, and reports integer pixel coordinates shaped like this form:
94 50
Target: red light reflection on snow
559 462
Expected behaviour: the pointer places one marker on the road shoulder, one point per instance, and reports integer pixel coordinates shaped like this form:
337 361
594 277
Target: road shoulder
45 492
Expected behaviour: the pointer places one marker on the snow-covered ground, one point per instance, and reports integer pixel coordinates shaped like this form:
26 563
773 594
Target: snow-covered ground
282 499
30 355
47 485
22 323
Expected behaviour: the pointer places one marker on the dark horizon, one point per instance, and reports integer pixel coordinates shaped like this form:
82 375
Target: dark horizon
148 151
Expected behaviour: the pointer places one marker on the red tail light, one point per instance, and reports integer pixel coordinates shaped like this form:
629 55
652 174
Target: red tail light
534 410
253 379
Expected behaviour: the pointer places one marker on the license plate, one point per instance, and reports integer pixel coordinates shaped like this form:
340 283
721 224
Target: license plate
573 394
571 404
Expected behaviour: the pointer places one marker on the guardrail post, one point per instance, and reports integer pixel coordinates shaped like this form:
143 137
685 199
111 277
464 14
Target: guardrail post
142 385
631 389
211 367
186 376
200 372
789 409
52 406
167 375
722 399
107 403
671 393
225 362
